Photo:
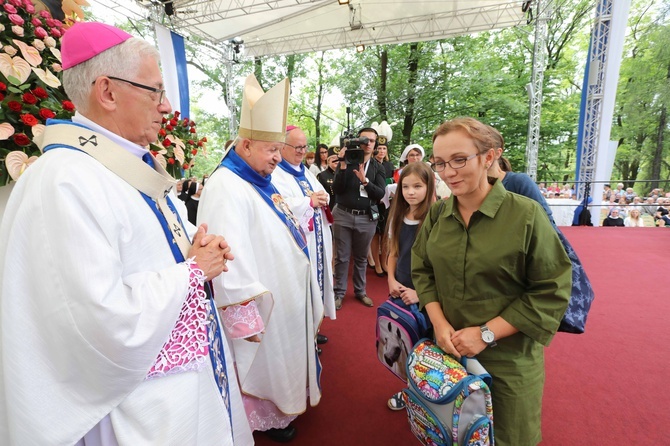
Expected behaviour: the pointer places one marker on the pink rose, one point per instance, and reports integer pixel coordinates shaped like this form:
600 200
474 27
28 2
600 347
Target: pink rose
17 30
36 22
16 19
45 14
30 8
55 32
58 23
17 3
51 23
10 9
40 32
56 67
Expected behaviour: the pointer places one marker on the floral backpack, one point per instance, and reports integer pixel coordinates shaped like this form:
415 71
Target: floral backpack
448 403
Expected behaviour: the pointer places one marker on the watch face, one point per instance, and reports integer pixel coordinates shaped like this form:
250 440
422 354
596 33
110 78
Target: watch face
488 336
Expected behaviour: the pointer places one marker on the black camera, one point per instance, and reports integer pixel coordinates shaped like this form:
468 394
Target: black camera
354 153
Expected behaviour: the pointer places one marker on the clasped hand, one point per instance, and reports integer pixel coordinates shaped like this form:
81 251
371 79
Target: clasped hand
466 342
319 199
211 252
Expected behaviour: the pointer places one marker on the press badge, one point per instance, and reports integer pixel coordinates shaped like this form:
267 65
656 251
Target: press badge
363 192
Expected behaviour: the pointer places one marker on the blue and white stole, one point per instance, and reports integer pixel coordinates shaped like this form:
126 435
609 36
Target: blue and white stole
269 194
307 191
154 184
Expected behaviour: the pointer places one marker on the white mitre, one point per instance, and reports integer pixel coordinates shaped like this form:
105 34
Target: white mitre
263 116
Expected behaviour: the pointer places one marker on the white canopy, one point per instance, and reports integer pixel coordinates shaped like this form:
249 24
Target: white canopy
299 26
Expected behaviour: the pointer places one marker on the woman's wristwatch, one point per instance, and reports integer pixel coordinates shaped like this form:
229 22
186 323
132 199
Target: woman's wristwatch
487 336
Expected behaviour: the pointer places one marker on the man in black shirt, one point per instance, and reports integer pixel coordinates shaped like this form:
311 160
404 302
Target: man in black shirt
357 188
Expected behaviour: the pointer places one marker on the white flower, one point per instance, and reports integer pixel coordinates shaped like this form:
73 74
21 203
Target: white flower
50 42
16 29
2 27
47 77
9 50
39 45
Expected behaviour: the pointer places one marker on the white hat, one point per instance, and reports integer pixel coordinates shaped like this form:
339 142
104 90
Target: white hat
263 116
408 149
384 132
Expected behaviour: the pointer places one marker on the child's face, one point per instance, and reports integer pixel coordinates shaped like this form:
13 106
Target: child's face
413 190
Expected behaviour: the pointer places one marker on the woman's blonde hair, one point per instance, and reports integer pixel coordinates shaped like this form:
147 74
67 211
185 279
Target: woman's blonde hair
484 136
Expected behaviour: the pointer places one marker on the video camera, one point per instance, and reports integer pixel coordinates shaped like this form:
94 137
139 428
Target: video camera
354 153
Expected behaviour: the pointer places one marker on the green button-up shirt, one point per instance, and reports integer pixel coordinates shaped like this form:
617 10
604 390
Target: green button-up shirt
507 262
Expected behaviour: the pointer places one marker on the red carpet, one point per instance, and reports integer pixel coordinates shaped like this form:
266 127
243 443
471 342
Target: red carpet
604 387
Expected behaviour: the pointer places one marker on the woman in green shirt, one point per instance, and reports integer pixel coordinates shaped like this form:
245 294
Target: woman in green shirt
493 277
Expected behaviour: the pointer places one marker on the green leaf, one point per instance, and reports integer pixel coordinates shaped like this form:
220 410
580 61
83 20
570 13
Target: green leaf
13 80
13 89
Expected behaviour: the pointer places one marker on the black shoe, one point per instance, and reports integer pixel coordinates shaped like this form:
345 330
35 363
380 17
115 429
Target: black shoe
382 274
282 435
321 339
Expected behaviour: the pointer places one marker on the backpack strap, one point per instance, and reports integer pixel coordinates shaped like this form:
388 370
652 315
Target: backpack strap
439 211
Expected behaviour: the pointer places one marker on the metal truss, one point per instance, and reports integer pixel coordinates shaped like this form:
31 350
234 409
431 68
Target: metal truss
594 99
401 30
210 19
544 8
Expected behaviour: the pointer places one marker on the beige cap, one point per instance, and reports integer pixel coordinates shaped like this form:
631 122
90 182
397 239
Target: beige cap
263 116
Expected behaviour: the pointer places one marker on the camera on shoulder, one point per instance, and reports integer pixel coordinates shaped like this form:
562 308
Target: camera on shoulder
354 154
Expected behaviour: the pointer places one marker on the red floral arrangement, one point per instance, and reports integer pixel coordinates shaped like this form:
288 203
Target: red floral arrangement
177 145
30 79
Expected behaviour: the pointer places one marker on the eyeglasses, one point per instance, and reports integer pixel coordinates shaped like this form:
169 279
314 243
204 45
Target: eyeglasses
297 148
456 163
161 93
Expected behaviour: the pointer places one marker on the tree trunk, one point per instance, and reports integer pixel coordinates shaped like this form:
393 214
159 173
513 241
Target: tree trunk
290 68
413 70
658 152
381 94
258 70
319 103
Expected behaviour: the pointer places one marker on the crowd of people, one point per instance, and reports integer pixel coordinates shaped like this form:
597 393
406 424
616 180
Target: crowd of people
625 208
196 321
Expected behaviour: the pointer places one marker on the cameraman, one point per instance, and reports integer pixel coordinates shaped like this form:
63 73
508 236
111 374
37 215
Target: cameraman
358 184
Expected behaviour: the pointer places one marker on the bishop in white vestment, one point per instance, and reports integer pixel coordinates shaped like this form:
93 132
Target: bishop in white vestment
308 201
266 297
106 337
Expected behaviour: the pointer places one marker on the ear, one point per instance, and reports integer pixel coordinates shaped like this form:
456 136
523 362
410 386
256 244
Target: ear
104 94
245 148
489 158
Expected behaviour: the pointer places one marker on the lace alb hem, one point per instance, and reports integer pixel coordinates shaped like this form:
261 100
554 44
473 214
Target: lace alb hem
242 321
188 346
264 414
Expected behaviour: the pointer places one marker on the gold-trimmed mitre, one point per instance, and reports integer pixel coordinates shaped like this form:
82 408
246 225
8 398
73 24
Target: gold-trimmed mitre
263 116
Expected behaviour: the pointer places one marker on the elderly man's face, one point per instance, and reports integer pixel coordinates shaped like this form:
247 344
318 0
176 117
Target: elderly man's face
261 156
139 115
295 148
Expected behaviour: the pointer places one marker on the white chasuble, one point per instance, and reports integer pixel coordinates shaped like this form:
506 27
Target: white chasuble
271 269
321 262
90 292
